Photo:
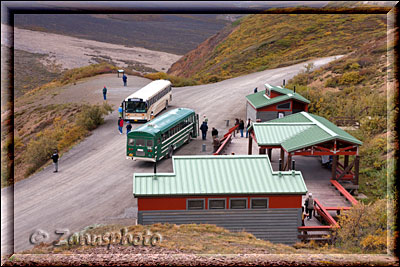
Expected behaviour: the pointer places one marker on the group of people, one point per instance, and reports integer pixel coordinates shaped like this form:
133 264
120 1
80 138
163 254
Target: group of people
240 128
121 125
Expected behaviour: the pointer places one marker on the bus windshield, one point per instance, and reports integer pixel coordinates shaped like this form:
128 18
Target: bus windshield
135 107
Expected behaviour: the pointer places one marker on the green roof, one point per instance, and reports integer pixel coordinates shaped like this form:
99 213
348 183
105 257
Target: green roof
259 99
298 131
163 121
216 175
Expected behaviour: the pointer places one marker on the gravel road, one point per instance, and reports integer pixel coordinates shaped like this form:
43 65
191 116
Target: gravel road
94 183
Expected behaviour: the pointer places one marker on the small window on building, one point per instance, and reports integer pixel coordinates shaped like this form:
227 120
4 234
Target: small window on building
238 203
195 204
216 204
259 203
284 106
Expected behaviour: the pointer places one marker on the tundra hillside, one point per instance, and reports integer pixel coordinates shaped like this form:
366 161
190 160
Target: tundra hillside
259 42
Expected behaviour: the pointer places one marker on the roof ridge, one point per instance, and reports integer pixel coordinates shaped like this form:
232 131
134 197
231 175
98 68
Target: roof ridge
319 124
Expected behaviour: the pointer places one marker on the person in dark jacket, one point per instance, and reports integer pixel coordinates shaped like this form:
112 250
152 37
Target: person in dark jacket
214 133
204 129
255 90
237 123
55 157
309 205
124 78
241 127
128 128
120 125
105 92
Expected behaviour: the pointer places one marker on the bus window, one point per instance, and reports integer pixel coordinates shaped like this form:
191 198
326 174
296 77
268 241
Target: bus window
140 142
149 143
131 142
135 106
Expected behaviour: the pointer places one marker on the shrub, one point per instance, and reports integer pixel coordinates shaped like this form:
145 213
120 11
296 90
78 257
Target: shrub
331 82
176 81
365 227
39 150
350 78
92 116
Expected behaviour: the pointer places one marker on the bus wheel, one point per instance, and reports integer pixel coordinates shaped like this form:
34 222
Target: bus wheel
170 152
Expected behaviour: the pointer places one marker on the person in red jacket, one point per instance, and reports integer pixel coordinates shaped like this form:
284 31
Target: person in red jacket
120 125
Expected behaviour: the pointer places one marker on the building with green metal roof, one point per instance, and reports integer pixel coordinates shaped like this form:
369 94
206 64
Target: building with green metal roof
235 192
274 102
308 134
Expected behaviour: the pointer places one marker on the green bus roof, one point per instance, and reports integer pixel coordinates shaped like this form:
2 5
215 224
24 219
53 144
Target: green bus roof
216 175
163 122
299 130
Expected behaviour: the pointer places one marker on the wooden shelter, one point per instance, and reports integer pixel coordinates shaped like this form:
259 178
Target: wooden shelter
309 135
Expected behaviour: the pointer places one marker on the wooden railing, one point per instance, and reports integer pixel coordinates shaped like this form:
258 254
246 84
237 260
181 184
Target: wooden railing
224 142
344 192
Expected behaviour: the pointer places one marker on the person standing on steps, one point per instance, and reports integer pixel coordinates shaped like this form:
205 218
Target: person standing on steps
128 127
120 125
124 78
55 157
105 92
241 127
237 123
309 204
204 129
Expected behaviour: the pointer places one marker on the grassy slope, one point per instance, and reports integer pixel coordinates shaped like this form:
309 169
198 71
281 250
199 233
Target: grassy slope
357 86
272 40
30 72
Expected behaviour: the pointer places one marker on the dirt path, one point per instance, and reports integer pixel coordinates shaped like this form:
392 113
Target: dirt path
71 52
94 184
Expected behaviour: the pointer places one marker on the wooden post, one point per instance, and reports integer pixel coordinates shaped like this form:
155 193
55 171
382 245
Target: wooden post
250 148
356 169
270 154
289 161
283 158
346 161
334 166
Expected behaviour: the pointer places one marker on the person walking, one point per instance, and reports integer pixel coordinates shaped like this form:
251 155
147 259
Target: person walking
309 205
247 127
124 78
255 90
105 92
120 125
214 133
120 111
204 129
55 157
128 127
241 127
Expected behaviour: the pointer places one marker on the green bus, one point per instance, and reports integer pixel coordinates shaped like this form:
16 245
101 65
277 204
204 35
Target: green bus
159 137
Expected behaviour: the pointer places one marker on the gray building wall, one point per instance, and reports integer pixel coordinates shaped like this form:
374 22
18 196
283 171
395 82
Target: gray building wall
250 112
275 225
270 115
